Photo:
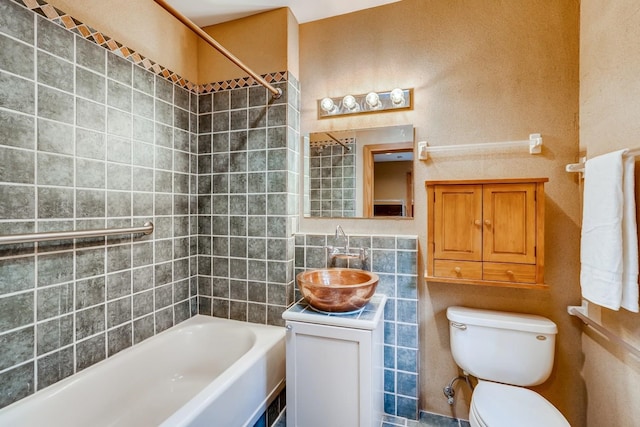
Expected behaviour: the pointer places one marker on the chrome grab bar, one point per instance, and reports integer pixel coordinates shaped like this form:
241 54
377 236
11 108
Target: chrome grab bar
74 234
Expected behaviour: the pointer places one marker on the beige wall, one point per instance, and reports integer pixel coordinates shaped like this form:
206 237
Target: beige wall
261 41
482 71
266 43
143 26
609 111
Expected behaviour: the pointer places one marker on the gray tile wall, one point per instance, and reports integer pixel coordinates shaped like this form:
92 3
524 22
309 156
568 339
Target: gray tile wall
88 140
248 156
394 259
332 171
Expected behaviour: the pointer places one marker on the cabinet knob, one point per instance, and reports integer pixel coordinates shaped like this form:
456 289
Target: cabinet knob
510 273
487 222
458 270
477 222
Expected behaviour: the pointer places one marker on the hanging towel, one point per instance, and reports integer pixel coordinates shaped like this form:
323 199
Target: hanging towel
608 245
629 238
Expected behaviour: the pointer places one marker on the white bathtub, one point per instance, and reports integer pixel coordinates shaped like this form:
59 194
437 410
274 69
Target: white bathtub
205 371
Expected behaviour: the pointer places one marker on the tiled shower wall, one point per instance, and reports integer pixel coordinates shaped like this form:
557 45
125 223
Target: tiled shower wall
248 160
87 141
90 140
394 259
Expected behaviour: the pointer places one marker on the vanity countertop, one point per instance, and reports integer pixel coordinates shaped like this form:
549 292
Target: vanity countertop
366 318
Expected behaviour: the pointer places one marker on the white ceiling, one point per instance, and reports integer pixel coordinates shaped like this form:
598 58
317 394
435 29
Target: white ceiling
209 12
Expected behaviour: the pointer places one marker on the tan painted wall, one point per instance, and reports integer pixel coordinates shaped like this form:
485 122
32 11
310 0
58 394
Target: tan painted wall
260 41
143 26
293 44
483 71
609 111
267 42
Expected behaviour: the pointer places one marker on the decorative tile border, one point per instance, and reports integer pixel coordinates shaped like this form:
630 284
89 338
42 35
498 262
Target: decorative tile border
70 23
330 142
241 82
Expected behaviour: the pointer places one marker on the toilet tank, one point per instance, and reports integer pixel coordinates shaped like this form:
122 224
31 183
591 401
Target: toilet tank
510 348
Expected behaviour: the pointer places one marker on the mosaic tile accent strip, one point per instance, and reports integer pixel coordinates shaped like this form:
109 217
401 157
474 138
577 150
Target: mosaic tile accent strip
70 23
277 77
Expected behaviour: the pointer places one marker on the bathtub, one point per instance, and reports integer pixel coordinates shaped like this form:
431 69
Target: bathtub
204 371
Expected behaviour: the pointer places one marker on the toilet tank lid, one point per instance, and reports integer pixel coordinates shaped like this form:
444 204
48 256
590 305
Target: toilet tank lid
502 320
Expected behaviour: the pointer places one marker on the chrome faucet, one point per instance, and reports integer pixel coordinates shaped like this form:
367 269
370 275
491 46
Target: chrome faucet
341 255
340 233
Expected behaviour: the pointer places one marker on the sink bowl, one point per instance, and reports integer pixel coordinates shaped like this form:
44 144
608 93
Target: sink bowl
337 290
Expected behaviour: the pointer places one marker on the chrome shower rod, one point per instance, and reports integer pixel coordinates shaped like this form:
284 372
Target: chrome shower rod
211 41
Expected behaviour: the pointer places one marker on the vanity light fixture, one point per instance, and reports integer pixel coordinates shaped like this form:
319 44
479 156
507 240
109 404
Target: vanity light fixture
397 96
372 102
328 106
350 104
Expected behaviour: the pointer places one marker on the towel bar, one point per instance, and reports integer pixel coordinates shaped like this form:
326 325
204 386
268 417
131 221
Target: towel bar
580 312
534 144
579 167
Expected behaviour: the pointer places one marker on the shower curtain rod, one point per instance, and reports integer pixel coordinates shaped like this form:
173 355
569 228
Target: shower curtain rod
338 141
277 92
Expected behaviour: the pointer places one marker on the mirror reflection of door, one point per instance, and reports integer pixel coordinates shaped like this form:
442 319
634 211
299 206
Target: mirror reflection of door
388 180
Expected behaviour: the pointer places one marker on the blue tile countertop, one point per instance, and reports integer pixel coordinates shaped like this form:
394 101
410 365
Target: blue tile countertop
367 318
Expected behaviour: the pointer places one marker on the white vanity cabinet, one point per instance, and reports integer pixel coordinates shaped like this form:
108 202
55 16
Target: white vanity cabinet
335 367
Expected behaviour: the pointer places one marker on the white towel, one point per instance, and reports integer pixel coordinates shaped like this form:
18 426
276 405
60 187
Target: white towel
608 247
629 238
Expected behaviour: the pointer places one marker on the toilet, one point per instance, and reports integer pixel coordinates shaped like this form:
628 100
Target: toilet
505 352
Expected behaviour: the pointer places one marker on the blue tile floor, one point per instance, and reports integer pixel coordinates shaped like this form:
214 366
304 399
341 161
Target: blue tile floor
426 420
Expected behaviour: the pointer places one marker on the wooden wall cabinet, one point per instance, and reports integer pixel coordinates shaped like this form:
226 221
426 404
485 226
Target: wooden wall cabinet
486 232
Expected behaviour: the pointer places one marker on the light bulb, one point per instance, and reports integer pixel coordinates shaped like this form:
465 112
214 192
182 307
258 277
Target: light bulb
397 96
373 100
349 102
327 105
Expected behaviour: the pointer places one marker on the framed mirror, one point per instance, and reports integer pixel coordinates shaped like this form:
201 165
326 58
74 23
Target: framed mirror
359 173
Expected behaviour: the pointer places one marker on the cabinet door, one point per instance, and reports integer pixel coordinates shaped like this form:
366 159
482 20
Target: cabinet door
509 220
329 376
458 222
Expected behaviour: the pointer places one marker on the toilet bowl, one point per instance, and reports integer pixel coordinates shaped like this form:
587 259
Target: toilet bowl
501 405
506 352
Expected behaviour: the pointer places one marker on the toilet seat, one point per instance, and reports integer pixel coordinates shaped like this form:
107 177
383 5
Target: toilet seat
501 405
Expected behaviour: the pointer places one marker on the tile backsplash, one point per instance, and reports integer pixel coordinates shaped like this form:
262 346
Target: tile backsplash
394 259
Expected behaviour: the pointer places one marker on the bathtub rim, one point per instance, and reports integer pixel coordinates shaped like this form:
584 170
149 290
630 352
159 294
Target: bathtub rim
188 412
273 335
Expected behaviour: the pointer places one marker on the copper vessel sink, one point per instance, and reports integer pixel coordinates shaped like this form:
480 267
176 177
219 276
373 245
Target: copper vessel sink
337 290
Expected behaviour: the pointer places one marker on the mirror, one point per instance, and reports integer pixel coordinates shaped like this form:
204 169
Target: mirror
359 173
